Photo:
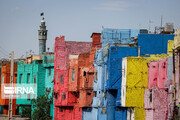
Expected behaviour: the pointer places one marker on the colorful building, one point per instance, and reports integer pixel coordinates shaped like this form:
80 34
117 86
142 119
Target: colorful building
65 100
48 64
136 76
31 71
89 75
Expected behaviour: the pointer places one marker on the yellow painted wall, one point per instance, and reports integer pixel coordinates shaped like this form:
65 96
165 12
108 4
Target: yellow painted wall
135 97
137 72
139 114
170 47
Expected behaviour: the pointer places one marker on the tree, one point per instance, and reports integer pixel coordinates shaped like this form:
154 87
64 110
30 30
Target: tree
26 111
41 107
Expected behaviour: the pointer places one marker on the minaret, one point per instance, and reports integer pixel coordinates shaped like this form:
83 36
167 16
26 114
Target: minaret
42 37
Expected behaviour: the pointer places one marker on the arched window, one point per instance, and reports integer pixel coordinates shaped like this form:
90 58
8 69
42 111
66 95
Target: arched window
73 74
62 79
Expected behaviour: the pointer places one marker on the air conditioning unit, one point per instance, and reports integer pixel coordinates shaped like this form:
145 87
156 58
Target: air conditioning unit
169 27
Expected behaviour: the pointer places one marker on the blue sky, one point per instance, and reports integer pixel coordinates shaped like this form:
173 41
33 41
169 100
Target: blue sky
76 19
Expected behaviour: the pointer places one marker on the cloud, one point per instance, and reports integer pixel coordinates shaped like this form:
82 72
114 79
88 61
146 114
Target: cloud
115 6
15 8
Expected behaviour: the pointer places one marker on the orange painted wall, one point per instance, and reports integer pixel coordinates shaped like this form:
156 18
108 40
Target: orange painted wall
5 71
73 65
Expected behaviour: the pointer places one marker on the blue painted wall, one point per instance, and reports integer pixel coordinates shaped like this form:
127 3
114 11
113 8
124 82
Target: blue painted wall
120 113
123 36
153 43
99 84
89 113
115 65
101 115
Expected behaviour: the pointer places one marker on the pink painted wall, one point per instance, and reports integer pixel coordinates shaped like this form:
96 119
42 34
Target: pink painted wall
157 73
162 72
160 99
149 114
147 103
153 74
160 114
156 104
170 105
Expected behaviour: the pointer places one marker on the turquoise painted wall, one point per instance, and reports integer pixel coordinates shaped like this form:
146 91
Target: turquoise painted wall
48 64
37 75
42 73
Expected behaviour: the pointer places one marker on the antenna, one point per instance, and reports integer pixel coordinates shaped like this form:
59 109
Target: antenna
149 25
161 20
30 51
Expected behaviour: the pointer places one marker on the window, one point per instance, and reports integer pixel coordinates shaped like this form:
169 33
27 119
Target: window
88 93
49 71
84 73
48 89
73 74
62 77
150 97
63 96
57 77
60 109
21 78
95 93
15 78
28 78
56 95
95 76
34 79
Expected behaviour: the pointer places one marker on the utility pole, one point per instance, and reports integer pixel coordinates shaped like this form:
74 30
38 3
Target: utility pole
11 84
